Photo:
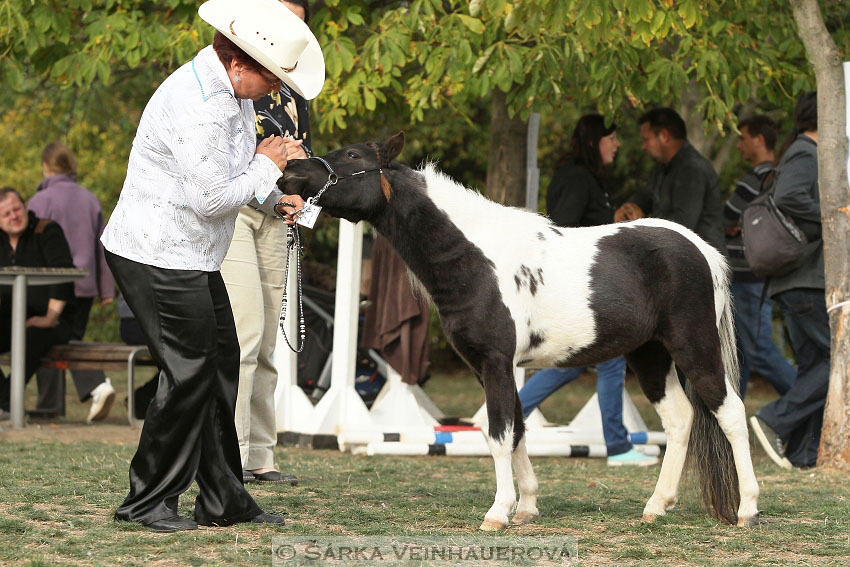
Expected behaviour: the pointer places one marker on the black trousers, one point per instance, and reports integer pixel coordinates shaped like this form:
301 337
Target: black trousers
49 388
39 341
189 432
797 416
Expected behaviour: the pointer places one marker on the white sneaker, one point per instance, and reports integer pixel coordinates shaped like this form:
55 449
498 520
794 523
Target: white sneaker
632 458
101 401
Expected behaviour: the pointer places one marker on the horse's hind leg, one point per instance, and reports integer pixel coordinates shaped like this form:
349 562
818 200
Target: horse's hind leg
501 397
657 375
729 484
733 421
526 511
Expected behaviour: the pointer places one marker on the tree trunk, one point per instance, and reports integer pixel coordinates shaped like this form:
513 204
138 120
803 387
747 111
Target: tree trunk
705 144
506 159
835 214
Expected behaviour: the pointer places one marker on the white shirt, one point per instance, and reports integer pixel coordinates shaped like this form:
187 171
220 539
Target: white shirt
192 166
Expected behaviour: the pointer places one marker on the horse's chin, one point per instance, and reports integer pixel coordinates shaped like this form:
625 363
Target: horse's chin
293 184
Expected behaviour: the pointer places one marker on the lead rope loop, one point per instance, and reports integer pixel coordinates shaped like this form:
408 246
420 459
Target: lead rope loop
293 241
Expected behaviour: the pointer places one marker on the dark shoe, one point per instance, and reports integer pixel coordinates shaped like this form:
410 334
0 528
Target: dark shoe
248 476
274 477
174 524
267 519
770 442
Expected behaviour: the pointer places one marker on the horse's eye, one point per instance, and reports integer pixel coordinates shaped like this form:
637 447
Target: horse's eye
353 155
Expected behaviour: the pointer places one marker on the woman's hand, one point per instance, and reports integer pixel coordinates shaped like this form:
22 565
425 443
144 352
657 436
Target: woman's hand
274 148
51 318
289 205
294 149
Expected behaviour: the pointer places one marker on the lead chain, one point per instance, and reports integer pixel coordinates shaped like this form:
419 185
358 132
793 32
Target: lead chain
293 240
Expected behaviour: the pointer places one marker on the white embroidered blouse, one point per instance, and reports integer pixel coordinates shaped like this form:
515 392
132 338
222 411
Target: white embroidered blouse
192 166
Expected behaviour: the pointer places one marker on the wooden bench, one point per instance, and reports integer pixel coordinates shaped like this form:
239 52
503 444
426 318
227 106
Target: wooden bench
98 356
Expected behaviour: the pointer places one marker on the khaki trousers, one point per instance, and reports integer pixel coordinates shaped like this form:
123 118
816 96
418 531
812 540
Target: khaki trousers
253 273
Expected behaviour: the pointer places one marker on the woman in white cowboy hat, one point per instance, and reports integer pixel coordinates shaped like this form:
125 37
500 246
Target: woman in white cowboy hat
193 164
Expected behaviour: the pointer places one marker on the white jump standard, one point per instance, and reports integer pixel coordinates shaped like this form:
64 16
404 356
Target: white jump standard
514 290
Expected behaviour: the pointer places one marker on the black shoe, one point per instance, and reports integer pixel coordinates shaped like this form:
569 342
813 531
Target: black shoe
770 442
264 518
274 477
248 476
173 524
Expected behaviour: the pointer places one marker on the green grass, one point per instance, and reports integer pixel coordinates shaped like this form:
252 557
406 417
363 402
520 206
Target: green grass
57 500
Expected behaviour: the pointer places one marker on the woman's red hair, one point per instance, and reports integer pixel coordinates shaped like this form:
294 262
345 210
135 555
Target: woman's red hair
227 51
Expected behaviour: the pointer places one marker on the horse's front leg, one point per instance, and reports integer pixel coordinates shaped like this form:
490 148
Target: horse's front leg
526 510
501 398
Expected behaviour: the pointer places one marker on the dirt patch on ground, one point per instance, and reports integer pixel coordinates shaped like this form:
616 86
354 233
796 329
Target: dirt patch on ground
71 433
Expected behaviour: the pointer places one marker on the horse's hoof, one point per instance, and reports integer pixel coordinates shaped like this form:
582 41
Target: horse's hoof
491 525
747 522
648 518
523 518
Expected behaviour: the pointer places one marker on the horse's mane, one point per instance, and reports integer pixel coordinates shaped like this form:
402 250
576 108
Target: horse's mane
455 198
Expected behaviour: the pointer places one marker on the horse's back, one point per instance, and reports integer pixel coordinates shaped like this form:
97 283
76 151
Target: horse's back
607 289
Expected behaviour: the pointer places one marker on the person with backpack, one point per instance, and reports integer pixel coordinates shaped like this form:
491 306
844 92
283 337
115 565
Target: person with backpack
753 312
789 428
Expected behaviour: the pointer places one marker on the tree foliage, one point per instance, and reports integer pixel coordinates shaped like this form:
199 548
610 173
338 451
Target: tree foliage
549 53
82 71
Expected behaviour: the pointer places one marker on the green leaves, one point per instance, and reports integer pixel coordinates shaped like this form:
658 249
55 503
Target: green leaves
595 53
79 42
426 54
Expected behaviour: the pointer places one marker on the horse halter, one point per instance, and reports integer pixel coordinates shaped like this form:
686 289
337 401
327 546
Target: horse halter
333 178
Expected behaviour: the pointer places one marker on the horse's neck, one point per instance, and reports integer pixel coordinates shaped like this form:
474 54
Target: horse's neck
433 247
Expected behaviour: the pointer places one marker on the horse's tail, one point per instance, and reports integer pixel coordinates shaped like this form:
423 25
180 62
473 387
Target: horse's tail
709 451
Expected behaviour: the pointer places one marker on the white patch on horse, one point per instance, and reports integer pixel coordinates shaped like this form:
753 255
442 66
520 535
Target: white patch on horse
508 237
505 500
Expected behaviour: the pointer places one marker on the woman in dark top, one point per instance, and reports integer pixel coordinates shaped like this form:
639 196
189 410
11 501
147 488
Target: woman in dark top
26 240
575 198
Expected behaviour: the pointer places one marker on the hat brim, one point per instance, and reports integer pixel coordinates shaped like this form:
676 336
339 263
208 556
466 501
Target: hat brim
308 76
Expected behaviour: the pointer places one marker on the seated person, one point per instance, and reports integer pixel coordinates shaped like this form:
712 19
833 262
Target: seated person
28 241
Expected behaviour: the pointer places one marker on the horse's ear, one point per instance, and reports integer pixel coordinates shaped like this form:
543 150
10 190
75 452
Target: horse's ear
393 147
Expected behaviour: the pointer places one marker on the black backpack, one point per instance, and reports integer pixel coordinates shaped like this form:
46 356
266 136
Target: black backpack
773 243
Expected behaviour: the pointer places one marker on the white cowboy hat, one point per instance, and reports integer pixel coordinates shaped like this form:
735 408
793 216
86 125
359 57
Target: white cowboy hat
276 38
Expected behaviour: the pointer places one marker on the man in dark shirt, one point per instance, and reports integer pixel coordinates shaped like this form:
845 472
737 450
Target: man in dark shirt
756 349
27 241
683 186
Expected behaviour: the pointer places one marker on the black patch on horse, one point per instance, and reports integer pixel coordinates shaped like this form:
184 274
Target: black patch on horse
535 339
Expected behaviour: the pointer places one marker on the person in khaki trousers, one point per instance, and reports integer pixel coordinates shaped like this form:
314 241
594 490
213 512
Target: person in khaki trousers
253 272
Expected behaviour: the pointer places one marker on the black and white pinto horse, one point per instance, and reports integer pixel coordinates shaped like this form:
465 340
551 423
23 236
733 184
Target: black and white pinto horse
512 289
